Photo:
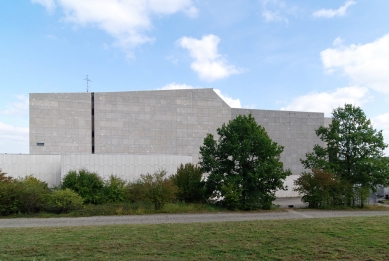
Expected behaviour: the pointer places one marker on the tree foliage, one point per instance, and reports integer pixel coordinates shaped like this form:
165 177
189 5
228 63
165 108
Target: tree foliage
158 188
353 153
4 178
243 166
65 200
188 179
114 189
89 185
320 189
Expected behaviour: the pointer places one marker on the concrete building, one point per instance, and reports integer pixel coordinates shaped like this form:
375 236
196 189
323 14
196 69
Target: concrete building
162 122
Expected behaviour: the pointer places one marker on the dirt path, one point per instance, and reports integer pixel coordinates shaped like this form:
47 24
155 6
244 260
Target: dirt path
181 218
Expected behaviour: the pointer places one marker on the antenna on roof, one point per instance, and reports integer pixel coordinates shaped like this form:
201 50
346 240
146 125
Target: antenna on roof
87 83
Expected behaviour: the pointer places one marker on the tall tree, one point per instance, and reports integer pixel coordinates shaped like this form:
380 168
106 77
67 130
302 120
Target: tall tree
354 152
244 165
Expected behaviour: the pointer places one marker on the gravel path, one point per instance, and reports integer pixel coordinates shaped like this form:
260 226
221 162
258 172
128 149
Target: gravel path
180 218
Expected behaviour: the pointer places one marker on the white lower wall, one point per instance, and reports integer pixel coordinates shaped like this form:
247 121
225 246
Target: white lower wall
289 193
51 168
127 167
44 167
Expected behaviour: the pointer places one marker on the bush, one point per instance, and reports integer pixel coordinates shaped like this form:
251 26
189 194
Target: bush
28 195
114 189
64 201
3 178
136 192
191 188
34 194
11 197
87 184
320 189
231 195
158 188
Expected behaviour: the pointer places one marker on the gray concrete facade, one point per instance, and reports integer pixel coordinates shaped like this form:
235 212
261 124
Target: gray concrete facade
157 122
170 122
293 130
61 122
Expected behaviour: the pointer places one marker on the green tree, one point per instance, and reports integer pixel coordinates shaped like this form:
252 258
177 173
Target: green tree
188 179
243 166
353 153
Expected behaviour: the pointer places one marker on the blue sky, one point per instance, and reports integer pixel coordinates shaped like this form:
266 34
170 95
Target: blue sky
265 54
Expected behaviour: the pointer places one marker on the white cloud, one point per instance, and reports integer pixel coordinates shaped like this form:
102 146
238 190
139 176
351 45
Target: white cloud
327 101
276 11
13 139
48 4
272 16
176 86
338 42
381 122
233 103
125 20
329 13
208 63
365 65
18 108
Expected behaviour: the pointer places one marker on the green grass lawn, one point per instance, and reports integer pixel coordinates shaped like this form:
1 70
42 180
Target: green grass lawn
356 238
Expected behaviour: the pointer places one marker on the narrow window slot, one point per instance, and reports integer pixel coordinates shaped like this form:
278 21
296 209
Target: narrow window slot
93 121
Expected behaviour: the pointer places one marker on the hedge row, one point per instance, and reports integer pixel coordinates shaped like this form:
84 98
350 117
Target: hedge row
30 195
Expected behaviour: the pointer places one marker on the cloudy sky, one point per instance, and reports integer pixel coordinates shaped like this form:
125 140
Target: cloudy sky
265 54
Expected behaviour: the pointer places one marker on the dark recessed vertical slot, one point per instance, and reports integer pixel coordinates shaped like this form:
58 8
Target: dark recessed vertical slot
93 121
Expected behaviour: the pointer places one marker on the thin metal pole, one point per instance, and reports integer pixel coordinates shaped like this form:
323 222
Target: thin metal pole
87 83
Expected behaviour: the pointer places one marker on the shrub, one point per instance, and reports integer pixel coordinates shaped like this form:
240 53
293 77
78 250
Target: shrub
231 195
320 189
135 191
87 184
11 197
27 195
158 188
3 178
114 189
64 201
34 194
190 186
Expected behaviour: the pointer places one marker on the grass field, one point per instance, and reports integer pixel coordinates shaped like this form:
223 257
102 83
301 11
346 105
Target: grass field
356 238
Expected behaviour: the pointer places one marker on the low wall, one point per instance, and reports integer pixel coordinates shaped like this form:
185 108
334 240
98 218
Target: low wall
51 168
289 193
127 167
44 167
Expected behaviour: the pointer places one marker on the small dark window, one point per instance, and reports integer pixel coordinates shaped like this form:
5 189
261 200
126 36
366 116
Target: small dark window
40 144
